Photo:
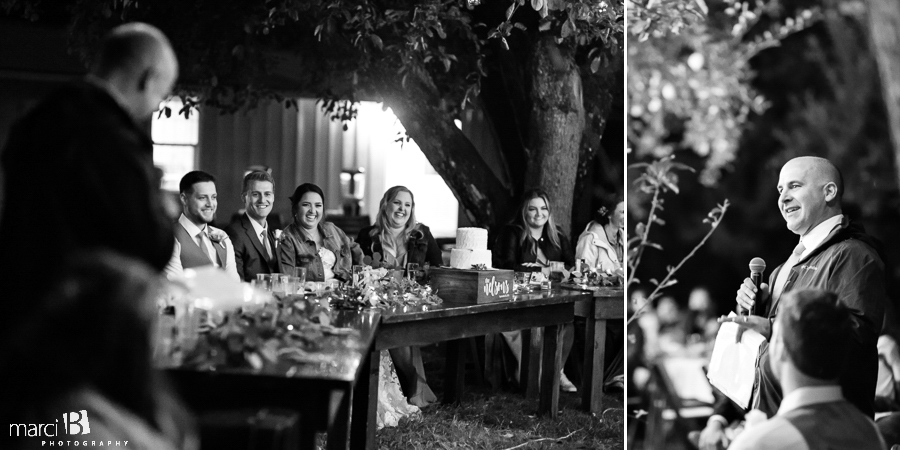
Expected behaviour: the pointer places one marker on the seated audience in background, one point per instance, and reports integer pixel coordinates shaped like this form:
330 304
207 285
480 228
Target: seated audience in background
89 347
602 244
401 240
702 315
529 243
198 244
807 354
253 241
321 247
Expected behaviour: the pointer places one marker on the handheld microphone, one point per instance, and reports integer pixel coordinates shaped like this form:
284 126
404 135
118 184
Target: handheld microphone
757 267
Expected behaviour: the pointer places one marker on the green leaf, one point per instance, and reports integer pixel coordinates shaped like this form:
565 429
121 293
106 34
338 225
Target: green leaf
568 28
376 41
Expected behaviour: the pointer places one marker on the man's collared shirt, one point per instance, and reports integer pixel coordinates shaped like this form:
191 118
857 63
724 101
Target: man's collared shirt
812 239
258 229
194 231
779 433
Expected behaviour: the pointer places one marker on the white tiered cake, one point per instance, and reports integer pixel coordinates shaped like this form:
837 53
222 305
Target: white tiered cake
471 249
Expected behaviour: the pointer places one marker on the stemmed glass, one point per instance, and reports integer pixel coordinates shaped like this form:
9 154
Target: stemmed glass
412 270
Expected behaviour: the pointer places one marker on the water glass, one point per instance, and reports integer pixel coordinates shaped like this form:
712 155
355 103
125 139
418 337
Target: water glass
264 281
294 285
412 270
300 272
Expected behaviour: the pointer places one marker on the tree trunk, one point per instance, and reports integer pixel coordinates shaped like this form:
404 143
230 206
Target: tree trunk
556 127
884 28
418 106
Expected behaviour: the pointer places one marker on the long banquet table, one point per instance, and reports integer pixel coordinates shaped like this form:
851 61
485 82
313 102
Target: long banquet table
320 389
453 323
606 305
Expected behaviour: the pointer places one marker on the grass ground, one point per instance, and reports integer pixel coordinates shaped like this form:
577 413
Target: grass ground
503 420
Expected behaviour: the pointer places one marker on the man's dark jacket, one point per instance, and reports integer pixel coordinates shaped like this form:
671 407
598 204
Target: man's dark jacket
78 174
249 254
848 263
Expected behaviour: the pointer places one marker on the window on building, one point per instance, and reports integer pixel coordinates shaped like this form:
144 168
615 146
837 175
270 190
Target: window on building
175 142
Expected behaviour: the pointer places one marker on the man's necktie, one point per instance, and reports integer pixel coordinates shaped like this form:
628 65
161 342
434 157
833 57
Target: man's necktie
206 245
265 241
786 270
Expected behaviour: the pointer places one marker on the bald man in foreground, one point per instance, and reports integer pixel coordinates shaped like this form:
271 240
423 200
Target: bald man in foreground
78 168
834 254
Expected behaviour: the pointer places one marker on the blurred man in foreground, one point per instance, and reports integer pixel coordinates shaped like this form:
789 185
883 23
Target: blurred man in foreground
78 168
808 352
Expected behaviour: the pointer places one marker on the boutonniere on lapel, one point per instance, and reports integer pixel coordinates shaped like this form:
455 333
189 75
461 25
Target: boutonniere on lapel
277 233
218 236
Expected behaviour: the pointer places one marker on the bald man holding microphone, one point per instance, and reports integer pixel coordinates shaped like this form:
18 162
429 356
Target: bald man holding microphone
834 254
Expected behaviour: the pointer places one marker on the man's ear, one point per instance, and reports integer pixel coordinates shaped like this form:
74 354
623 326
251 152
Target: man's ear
183 198
830 191
144 79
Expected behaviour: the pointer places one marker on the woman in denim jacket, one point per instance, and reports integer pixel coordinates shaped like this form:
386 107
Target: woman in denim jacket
321 247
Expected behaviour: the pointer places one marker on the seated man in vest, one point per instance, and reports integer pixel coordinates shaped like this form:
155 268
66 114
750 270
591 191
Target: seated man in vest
198 244
254 243
807 354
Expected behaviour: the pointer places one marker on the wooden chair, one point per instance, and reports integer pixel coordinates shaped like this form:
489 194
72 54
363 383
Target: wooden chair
669 411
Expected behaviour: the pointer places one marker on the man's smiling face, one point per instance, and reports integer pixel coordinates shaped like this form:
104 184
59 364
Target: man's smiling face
802 195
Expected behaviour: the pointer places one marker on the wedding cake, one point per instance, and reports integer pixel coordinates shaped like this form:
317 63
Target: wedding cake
471 249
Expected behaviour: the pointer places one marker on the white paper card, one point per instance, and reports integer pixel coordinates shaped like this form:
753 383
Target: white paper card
732 367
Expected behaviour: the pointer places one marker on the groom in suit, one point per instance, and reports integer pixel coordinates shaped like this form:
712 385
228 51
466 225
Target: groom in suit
254 243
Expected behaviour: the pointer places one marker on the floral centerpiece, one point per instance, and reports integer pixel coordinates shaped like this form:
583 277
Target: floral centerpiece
264 336
380 288
594 277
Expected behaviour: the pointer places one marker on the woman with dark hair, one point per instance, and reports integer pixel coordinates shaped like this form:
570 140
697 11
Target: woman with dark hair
401 240
602 244
529 243
89 348
321 247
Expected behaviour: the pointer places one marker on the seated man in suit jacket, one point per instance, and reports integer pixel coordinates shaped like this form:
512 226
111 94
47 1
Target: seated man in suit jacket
198 244
254 243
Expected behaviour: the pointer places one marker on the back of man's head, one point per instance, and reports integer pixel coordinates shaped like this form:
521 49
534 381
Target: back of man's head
130 48
186 185
816 330
138 63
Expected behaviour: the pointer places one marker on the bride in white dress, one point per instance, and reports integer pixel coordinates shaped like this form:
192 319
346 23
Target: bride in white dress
392 404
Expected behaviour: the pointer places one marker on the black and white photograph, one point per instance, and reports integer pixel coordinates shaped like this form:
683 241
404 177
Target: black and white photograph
324 224
763 261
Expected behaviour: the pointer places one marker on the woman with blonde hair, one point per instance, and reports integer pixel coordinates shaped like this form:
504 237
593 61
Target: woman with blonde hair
401 240
529 243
